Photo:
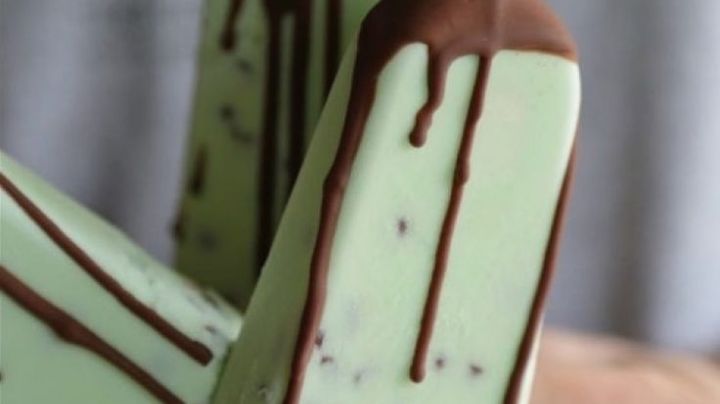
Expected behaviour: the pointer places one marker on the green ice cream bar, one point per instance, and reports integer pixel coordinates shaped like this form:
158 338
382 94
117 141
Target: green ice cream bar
413 258
88 317
263 72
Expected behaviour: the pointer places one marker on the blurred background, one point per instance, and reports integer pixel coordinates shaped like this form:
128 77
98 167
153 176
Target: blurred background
95 96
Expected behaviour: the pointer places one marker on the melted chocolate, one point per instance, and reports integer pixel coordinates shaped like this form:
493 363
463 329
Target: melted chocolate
197 181
461 177
332 42
227 34
268 142
298 88
73 332
192 348
451 29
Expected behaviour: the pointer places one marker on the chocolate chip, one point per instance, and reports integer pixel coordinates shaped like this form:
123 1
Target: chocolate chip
319 338
207 240
197 179
227 112
240 136
326 360
440 362
358 377
211 329
244 66
264 392
194 302
210 299
178 227
402 226
475 370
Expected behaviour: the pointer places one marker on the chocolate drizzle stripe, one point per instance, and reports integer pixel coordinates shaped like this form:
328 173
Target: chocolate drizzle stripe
267 175
333 191
462 175
72 331
451 29
192 348
299 83
512 394
437 72
227 33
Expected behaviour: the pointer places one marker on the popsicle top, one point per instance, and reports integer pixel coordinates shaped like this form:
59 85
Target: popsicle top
453 28
450 29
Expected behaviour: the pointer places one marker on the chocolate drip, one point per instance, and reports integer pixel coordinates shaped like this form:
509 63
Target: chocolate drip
437 72
298 83
195 187
192 348
227 34
197 182
73 332
451 29
462 175
268 142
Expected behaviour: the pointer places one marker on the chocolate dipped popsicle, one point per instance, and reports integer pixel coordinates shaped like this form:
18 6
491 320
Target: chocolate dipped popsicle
87 317
413 258
264 70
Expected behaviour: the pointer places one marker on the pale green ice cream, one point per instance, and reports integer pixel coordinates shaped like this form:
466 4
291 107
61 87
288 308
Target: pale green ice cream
40 367
387 232
217 227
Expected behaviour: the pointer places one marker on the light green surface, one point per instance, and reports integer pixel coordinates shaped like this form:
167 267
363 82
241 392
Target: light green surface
378 280
46 370
226 212
72 374
221 223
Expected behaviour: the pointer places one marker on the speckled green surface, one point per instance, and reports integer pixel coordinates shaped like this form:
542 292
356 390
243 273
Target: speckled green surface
378 278
38 367
220 223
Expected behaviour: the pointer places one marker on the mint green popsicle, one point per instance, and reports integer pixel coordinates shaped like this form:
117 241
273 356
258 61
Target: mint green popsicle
88 317
255 107
341 318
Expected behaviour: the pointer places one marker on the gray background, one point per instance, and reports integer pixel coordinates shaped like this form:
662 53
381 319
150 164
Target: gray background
94 95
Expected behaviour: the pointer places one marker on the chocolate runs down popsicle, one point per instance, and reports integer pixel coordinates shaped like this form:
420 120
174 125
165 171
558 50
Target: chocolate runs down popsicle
451 29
